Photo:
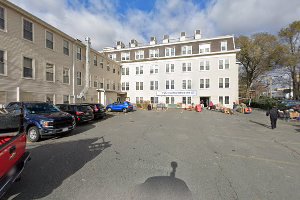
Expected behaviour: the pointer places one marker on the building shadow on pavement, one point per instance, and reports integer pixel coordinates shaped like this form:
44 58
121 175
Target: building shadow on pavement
51 164
297 128
162 187
264 125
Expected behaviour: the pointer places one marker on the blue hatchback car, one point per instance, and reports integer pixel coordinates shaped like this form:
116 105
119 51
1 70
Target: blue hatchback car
120 106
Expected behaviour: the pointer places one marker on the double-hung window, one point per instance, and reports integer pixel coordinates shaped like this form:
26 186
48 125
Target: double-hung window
154 99
186 67
139 55
78 76
226 99
170 84
28 68
66 75
186 50
78 53
204 48
66 47
139 70
139 85
221 83
2 18
153 85
27 30
125 56
170 51
204 83
226 82
204 65
95 60
186 100
170 68
2 62
50 72
153 53
153 69
186 84
221 100
49 40
224 64
113 56
224 46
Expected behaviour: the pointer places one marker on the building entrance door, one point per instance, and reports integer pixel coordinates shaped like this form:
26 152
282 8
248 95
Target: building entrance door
205 100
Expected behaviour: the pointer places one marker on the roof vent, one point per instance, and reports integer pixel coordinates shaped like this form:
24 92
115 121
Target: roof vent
197 34
166 39
153 41
120 45
182 36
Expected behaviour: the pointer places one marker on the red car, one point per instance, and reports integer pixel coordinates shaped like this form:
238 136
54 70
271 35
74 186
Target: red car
13 155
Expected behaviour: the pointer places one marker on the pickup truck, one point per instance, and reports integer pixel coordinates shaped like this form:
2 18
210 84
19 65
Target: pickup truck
43 120
13 155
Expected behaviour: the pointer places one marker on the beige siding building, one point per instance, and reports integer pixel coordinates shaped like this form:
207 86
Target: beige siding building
39 62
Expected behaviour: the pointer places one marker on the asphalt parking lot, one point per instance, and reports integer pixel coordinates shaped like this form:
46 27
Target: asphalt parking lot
206 155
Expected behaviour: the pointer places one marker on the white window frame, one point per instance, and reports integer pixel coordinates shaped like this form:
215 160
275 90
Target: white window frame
225 64
68 97
186 50
225 100
154 69
4 62
155 100
47 31
221 100
95 60
153 53
139 55
170 68
66 48
53 65
125 56
204 48
221 83
77 73
169 51
113 56
5 20
33 67
186 67
23 18
63 75
224 44
227 78
79 54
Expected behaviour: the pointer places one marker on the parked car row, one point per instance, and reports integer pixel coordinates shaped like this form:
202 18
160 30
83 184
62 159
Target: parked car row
43 120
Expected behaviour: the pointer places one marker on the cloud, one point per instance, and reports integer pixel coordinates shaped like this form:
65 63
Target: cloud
105 24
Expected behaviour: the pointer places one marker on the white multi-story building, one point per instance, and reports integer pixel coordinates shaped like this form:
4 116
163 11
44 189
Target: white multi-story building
179 72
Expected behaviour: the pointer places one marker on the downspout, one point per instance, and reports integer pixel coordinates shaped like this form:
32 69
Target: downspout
87 62
73 75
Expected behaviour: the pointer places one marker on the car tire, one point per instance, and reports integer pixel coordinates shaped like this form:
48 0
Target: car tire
33 134
108 109
125 110
66 133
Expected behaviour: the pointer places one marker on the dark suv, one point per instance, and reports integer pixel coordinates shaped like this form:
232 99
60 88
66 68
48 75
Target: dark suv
98 110
43 119
81 112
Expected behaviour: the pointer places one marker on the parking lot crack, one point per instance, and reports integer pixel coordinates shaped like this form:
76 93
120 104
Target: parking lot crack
289 148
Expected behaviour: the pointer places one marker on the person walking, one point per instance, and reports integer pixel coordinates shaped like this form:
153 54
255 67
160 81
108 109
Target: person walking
273 113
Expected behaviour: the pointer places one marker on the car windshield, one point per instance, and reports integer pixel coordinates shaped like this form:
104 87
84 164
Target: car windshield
37 108
83 108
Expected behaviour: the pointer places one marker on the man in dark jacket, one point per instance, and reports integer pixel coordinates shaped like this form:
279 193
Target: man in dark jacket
273 116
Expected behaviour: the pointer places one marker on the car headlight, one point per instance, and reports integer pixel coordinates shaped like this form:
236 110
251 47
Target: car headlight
46 123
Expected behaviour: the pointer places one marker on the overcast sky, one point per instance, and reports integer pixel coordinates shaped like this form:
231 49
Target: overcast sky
107 21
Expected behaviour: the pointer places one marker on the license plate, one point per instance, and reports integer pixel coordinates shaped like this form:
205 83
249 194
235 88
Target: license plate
65 129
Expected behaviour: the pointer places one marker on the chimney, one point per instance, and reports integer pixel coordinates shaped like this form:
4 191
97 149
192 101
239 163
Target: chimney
133 43
182 36
166 39
120 45
153 41
197 34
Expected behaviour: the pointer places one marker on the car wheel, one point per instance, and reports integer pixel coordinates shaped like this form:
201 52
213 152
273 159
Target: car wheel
33 134
66 133
108 109
124 110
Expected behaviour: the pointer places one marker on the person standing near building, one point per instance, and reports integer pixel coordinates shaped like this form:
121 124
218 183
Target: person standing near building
273 116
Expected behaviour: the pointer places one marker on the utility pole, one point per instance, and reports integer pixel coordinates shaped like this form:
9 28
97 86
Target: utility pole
270 84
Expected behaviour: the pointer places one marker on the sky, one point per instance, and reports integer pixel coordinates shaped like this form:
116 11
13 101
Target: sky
109 21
